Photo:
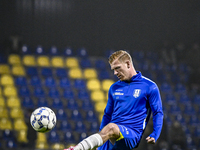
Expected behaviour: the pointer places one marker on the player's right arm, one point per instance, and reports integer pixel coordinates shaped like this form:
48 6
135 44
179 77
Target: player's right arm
108 111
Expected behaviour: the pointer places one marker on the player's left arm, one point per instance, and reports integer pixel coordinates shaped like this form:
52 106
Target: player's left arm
156 107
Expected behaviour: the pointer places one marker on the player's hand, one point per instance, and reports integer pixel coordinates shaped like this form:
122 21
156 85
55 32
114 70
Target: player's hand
150 140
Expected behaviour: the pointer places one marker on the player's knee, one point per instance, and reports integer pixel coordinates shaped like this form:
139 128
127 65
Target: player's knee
113 130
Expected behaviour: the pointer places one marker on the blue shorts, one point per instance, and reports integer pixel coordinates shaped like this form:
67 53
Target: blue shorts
127 140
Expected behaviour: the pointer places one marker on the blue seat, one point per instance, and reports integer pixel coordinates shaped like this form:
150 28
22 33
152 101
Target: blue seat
27 102
91 117
76 115
82 136
87 105
65 126
69 94
109 52
68 51
194 121
39 92
83 94
42 102
61 72
46 72
61 114
174 109
180 88
50 82
166 87
170 98
184 98
189 110
196 99
94 127
54 93
80 127
25 50
104 74
85 63
8 135
82 52
11 144
57 103
24 91
65 83
53 51
39 50
69 137
71 104
80 84
100 64
32 71
20 81
53 137
35 81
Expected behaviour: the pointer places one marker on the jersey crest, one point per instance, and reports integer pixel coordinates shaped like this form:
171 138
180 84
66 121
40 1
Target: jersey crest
136 93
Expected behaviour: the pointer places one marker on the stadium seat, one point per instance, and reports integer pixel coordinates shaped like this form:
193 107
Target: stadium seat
100 106
46 72
72 62
165 87
83 94
104 74
71 104
4 69
10 91
16 113
61 115
97 96
18 70
14 59
2 102
82 135
75 73
25 50
5 123
39 92
68 52
20 81
39 50
196 99
87 105
53 137
180 88
65 126
57 146
94 127
24 91
170 98
106 84
43 61
19 124
29 60
8 135
79 83
93 84
32 71
80 127
57 62
11 144
42 102
54 93
35 81
85 63
7 80
69 137
22 136
65 82
13 102
50 82
100 64
27 102
76 116
68 94
91 117
41 138
57 103
3 112
89 73
42 145
61 72
54 51
82 52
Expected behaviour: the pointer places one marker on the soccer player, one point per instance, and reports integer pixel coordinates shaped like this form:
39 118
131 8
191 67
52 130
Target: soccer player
130 103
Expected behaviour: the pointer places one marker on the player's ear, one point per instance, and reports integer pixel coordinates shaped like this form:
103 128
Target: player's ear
128 63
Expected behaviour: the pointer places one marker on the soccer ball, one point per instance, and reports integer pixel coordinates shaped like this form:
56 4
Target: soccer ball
43 119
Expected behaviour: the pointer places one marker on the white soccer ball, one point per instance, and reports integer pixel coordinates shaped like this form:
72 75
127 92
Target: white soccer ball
43 119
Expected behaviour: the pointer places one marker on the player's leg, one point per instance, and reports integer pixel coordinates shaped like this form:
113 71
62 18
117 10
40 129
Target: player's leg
110 131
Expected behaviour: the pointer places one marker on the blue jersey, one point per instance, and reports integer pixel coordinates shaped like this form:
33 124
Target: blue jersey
130 104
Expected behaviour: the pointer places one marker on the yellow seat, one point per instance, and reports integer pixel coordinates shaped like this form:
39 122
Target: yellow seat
100 106
90 73
75 73
57 62
93 84
29 60
3 112
4 69
14 59
7 80
100 117
10 91
16 113
0 91
106 84
19 124
22 136
13 102
43 61
72 62
5 123
57 146
18 70
97 95
41 138
2 102
41 145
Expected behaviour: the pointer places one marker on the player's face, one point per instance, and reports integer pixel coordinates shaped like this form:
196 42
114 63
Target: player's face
121 70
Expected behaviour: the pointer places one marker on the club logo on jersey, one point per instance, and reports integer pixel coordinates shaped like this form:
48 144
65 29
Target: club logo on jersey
136 93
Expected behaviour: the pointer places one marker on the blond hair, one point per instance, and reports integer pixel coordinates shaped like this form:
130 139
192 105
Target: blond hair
121 55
